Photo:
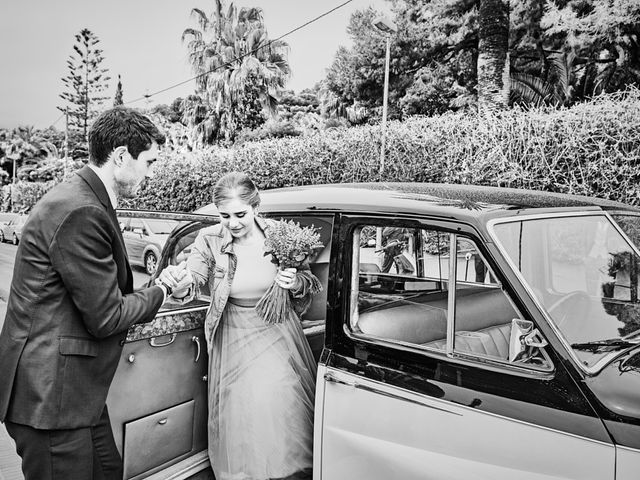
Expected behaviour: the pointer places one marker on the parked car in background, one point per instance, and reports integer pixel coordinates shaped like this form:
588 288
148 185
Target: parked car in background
144 239
463 332
12 230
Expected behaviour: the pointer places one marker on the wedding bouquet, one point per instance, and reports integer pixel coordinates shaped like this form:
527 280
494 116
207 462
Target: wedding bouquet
289 245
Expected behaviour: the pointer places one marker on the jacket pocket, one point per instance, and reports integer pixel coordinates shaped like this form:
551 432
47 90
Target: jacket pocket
78 346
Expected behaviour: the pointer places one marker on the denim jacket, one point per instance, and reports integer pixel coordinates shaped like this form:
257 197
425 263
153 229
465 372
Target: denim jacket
213 261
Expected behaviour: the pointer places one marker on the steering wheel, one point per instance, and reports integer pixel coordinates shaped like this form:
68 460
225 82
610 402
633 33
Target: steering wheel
571 308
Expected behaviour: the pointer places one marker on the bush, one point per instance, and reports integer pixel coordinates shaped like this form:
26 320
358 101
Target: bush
589 149
24 195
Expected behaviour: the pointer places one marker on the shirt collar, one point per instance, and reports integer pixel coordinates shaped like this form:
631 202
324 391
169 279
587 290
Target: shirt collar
112 195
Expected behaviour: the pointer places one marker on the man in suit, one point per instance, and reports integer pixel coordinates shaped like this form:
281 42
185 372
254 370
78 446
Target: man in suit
70 305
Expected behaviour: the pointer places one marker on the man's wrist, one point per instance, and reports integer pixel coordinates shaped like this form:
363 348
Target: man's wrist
167 288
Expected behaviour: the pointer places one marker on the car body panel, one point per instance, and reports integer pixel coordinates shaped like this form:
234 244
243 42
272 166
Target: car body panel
437 438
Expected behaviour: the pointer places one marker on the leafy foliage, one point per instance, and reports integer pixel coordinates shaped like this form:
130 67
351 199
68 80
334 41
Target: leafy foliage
589 149
240 71
561 52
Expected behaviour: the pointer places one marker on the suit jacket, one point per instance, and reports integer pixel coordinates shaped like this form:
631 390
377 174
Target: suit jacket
70 305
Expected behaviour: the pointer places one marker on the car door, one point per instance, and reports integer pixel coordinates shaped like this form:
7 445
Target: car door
420 378
157 401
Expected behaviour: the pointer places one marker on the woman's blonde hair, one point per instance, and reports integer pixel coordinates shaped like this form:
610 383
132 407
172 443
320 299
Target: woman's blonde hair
236 184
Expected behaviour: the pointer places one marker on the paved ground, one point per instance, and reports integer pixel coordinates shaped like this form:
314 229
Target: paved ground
9 460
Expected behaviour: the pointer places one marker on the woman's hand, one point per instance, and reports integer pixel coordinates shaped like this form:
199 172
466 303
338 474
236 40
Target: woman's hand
287 278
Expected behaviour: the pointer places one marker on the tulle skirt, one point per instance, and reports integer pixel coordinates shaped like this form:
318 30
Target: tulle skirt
261 398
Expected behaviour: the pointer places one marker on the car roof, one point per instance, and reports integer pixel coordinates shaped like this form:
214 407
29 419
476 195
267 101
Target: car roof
470 202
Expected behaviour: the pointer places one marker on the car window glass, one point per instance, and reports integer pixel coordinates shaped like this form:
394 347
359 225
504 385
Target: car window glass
484 312
585 275
400 283
400 294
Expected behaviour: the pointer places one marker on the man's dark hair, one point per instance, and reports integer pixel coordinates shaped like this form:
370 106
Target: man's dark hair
121 126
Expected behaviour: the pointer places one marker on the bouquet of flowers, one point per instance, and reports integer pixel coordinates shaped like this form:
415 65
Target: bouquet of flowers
289 245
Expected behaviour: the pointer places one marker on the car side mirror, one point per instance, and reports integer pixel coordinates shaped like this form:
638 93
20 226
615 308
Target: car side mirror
139 231
524 341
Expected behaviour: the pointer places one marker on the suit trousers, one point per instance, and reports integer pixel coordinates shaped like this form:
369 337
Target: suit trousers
87 453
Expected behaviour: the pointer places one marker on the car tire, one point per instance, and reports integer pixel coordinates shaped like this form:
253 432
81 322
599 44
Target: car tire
15 239
150 263
1 237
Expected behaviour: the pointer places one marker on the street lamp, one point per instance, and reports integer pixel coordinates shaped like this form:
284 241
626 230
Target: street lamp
387 27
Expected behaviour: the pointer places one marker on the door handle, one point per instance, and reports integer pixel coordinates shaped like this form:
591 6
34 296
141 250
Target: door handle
196 340
154 343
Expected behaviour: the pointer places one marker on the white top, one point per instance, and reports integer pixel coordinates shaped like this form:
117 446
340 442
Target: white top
254 272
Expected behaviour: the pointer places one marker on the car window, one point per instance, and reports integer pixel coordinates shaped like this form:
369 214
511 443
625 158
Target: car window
182 243
401 294
135 223
584 273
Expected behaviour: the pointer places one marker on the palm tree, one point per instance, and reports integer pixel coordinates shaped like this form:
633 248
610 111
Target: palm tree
240 71
493 55
555 88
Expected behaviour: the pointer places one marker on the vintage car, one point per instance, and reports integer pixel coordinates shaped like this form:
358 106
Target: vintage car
463 332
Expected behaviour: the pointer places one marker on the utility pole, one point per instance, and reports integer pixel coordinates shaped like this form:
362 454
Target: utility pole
388 28
66 139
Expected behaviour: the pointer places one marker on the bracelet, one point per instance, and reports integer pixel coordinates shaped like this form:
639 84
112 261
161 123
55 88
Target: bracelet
159 283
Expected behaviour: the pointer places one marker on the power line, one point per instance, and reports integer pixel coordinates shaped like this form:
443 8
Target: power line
328 12
57 120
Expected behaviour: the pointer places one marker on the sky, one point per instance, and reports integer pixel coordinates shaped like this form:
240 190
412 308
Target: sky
141 41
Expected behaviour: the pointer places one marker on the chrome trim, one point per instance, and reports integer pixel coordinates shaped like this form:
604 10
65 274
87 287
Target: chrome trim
451 294
458 357
469 409
330 377
195 339
184 469
597 367
178 311
355 278
153 343
628 449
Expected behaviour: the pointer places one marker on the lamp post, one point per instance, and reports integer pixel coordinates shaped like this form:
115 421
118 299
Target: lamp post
387 27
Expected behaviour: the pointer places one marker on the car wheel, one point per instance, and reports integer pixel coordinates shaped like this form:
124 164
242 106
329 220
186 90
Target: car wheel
150 263
15 239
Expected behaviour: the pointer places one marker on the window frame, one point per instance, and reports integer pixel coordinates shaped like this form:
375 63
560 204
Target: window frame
455 230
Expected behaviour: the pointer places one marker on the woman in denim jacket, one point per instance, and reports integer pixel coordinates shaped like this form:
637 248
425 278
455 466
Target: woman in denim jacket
261 376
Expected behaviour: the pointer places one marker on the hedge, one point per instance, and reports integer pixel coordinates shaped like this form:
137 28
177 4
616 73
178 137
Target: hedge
589 149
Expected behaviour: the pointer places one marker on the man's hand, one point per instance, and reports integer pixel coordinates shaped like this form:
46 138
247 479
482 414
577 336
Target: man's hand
178 278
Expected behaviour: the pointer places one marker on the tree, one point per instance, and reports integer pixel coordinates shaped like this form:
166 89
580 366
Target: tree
240 71
117 98
559 52
85 83
493 55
